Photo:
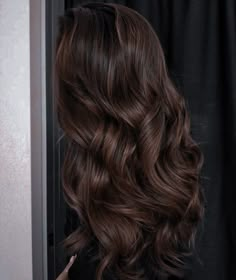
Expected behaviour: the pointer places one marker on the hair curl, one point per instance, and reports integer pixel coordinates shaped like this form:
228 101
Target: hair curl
131 171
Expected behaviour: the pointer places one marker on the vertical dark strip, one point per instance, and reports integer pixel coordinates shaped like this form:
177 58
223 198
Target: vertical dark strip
54 206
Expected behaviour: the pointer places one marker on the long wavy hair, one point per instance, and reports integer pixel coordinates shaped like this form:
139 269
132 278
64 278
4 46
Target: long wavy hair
132 169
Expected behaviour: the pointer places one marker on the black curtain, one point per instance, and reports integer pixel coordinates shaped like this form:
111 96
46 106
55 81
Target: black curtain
199 41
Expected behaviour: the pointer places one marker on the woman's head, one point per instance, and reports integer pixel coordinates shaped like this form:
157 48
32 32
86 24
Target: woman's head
131 170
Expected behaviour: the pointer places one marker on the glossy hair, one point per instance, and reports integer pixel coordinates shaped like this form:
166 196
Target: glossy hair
131 170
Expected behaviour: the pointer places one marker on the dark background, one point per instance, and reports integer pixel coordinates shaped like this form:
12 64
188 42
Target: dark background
199 42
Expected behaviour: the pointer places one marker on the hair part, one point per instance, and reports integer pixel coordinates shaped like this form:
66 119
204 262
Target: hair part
131 170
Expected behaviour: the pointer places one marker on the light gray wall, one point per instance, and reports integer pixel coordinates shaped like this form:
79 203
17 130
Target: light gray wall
15 148
23 214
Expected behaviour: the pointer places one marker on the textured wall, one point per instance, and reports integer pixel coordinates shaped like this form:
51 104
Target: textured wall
15 185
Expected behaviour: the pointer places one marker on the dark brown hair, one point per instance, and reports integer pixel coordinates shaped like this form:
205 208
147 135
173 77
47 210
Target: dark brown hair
131 170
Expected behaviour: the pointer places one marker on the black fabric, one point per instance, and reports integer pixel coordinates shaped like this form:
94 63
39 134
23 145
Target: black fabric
199 41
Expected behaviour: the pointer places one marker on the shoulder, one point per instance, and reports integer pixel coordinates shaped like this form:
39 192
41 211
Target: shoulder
84 267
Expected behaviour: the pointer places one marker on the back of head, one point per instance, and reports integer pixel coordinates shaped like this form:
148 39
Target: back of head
131 171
